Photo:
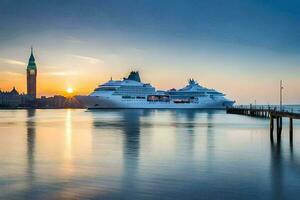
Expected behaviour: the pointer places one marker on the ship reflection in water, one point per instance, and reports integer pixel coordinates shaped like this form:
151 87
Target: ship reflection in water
144 154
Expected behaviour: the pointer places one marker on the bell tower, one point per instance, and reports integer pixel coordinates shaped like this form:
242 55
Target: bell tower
31 76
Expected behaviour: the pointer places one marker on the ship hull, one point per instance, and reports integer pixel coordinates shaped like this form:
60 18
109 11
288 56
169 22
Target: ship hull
97 102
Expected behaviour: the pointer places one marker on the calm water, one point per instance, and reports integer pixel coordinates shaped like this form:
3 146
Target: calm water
144 154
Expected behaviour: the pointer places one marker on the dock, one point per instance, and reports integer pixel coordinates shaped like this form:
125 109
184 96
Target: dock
272 114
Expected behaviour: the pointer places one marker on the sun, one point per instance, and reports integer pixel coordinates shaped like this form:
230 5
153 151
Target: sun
70 90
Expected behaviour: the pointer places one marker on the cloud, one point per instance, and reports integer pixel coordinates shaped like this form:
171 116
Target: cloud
9 73
91 60
62 73
12 62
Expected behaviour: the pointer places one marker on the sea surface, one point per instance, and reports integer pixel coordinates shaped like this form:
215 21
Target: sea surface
145 154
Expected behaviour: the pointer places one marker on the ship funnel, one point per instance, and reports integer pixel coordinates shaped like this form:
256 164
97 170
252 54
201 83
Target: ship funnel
134 76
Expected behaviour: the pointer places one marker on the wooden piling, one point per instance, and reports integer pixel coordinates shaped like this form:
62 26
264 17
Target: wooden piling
278 128
277 124
272 114
271 128
291 129
280 122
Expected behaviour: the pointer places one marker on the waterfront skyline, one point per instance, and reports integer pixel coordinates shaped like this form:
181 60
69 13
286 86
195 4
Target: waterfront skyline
240 48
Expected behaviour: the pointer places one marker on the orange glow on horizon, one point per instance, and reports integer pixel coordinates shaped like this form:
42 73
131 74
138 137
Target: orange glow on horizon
247 90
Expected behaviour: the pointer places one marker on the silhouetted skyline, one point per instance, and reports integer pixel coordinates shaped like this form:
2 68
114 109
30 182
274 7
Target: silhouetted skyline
240 47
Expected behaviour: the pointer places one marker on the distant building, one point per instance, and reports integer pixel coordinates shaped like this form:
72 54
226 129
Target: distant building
13 99
31 76
58 101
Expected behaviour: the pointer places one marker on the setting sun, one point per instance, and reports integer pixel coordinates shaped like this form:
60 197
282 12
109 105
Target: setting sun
70 90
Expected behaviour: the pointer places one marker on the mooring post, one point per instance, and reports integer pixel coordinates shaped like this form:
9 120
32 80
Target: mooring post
277 123
280 120
291 129
271 128
278 128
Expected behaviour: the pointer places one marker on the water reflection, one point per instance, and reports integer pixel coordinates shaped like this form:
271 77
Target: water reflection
131 149
145 154
129 123
68 137
280 160
184 121
31 135
276 170
196 123
210 140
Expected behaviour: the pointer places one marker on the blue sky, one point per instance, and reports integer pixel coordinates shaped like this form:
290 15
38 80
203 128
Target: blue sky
242 48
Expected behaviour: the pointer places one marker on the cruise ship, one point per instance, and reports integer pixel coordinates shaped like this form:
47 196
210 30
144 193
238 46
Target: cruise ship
131 92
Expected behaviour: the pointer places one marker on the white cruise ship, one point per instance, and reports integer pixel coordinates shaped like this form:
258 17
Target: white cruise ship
132 93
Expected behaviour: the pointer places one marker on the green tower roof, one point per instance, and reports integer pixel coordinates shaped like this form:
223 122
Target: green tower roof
31 62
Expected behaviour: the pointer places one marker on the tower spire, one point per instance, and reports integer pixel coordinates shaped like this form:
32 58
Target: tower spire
31 75
31 58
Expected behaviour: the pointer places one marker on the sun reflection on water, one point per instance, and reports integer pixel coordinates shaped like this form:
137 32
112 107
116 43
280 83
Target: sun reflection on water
68 136
67 148
77 154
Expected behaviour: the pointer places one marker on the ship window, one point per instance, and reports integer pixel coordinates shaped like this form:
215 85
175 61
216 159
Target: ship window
182 100
162 98
105 89
127 97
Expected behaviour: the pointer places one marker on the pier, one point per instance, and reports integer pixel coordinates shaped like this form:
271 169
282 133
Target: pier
273 114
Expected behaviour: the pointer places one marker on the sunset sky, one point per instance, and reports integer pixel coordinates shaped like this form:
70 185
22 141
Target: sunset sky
240 47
